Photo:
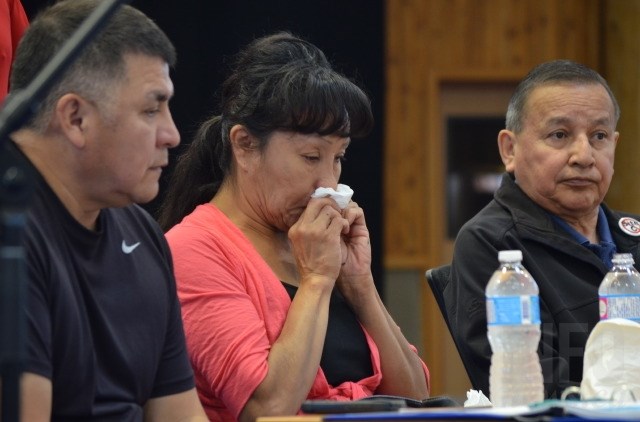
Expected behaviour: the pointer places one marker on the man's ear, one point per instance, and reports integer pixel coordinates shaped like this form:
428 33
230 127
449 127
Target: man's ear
71 117
506 146
243 145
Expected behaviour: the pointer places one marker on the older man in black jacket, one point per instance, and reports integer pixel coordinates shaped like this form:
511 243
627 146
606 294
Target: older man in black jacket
558 149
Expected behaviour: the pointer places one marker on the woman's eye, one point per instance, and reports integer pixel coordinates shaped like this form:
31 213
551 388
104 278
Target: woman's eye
311 157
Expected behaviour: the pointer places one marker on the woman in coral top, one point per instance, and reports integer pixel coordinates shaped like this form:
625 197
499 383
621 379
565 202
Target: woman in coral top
277 294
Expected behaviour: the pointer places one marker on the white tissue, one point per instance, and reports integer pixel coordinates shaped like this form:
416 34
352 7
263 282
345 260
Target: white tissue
476 398
342 195
611 361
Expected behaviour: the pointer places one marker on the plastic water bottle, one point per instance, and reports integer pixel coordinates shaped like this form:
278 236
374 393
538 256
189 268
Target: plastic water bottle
620 290
513 322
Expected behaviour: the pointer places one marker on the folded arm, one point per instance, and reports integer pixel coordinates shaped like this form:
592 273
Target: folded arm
403 372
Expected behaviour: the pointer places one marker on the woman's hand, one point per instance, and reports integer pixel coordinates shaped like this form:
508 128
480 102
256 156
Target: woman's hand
316 239
356 249
355 242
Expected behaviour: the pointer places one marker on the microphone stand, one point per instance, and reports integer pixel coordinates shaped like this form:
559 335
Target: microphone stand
15 191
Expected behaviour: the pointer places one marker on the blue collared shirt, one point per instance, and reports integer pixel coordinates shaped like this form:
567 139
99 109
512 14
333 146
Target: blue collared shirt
605 249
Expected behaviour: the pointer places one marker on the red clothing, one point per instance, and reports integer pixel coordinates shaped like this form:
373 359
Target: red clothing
13 22
233 308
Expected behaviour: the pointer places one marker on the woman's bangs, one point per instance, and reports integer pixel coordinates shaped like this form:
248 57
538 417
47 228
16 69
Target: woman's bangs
328 104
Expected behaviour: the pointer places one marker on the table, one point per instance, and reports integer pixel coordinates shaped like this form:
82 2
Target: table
414 415
557 410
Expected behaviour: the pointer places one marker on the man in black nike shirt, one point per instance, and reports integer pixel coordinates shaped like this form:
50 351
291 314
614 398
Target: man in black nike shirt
105 338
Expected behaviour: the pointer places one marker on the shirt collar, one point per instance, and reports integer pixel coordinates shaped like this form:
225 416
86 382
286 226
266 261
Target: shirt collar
605 249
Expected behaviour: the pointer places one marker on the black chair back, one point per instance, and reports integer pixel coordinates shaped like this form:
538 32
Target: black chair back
438 279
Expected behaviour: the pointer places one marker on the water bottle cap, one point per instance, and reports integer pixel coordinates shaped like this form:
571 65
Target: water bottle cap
510 256
622 258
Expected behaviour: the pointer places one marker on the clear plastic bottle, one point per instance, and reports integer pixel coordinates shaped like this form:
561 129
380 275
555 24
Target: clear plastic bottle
513 322
620 290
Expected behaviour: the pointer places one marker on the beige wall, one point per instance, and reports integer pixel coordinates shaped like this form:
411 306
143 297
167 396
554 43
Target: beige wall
431 44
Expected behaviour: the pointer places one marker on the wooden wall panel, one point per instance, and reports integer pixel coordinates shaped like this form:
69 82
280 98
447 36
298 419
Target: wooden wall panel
406 99
621 67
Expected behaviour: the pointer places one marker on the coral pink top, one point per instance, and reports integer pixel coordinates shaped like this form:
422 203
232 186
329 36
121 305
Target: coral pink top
234 308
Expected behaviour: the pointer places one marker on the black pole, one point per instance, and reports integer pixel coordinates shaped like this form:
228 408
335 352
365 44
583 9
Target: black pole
15 189
12 295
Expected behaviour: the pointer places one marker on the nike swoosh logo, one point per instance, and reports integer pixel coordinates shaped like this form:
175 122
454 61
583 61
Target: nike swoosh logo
129 248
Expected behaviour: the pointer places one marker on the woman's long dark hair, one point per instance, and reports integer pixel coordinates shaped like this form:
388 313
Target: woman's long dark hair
278 82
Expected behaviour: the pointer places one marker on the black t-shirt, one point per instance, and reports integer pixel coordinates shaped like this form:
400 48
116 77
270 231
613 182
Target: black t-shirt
103 319
346 355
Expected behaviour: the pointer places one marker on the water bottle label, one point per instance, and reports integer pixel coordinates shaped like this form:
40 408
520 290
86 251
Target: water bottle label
513 310
620 306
